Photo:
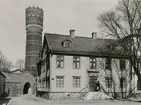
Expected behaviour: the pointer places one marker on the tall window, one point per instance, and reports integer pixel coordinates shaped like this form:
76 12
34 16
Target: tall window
60 81
108 82
138 85
60 61
92 63
76 62
76 81
108 63
122 82
122 64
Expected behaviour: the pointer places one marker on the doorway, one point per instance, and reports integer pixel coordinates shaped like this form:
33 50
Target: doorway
92 83
26 87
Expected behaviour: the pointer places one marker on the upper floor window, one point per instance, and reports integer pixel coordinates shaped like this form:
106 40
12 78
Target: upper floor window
122 64
108 63
76 62
60 61
67 44
108 82
92 63
76 81
60 81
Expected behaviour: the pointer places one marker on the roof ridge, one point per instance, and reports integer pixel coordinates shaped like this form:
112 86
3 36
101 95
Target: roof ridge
77 36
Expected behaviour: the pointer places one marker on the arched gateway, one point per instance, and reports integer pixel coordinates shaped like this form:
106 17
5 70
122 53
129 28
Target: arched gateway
26 88
27 82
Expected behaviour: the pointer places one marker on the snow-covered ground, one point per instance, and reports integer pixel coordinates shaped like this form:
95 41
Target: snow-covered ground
32 100
96 96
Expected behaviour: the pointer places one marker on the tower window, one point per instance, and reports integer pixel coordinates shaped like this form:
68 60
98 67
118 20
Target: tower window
92 63
60 61
76 62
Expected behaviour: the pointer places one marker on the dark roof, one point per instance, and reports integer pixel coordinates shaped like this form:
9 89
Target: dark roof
12 77
2 74
83 46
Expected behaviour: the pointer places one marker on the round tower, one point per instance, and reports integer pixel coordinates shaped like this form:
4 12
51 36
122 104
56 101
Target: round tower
34 28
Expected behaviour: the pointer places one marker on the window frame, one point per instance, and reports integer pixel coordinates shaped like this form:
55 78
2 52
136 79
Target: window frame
92 62
122 82
67 44
59 61
76 81
59 81
109 65
76 61
108 82
121 65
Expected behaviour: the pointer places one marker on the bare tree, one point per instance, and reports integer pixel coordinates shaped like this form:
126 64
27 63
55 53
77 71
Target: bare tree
124 20
5 65
20 64
116 75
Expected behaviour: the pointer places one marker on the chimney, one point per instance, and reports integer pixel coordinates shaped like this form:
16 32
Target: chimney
94 35
72 33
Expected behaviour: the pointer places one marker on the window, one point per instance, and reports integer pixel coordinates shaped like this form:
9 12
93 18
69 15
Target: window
76 62
122 82
122 64
60 81
60 61
108 63
67 44
108 82
76 81
138 85
92 63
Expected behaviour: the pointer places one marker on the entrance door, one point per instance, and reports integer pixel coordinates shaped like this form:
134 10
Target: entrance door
92 83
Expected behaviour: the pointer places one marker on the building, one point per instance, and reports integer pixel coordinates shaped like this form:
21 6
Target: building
2 84
13 83
71 65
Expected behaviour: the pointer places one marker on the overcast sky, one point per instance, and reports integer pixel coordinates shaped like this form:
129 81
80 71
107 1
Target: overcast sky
59 17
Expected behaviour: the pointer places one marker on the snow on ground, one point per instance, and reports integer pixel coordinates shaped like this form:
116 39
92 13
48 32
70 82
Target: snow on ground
27 100
32 100
96 95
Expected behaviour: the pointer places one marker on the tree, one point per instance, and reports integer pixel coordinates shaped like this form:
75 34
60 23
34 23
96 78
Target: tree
123 21
20 64
5 65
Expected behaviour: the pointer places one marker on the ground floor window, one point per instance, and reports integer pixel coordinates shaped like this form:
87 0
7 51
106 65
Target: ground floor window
60 81
76 81
138 85
108 82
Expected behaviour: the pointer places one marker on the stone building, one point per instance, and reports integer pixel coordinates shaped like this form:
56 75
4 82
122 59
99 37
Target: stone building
13 83
2 84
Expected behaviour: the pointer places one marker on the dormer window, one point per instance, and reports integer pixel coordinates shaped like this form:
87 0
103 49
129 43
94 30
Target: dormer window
67 44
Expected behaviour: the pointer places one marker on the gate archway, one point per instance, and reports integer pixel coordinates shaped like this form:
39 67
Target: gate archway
26 87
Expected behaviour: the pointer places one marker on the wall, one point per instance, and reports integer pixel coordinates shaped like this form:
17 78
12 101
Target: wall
68 72
2 82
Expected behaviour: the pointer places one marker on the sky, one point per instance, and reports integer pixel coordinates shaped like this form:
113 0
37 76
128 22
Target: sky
59 17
